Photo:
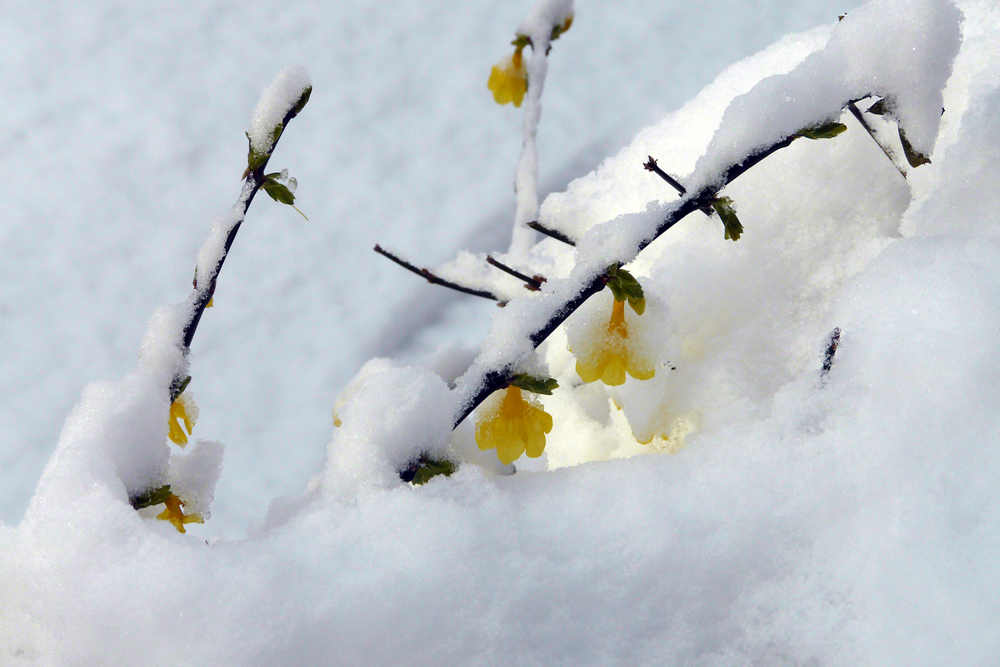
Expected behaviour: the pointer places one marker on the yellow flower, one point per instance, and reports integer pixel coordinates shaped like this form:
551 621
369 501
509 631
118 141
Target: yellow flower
517 425
182 409
175 515
613 356
509 79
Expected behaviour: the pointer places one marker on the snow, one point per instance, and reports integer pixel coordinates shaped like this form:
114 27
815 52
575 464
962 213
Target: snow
784 520
277 100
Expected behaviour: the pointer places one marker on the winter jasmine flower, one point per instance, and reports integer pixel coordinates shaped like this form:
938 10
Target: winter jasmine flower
614 354
513 425
509 79
184 410
175 515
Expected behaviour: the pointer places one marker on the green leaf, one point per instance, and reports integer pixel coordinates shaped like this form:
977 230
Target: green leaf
825 131
276 134
429 468
256 160
724 207
150 497
914 157
521 41
278 191
303 100
536 385
625 287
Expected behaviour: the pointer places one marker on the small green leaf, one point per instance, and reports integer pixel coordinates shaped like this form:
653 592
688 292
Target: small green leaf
431 468
422 469
150 497
724 207
276 134
256 160
625 287
521 41
825 131
278 191
536 385
914 157
303 100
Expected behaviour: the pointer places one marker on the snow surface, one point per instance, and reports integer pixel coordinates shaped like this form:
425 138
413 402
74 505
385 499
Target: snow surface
843 522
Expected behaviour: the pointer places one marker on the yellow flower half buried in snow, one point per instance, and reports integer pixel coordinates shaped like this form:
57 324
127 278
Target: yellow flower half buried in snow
516 426
184 410
175 515
509 79
612 357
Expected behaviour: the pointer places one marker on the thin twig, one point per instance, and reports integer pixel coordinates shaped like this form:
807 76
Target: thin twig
532 284
433 279
856 112
651 165
558 236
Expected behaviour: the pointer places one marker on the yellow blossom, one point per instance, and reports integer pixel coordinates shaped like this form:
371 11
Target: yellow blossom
509 79
175 515
517 426
615 355
182 409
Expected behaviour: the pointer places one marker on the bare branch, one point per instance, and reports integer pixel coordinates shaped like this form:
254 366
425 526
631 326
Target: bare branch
558 236
433 279
531 283
651 165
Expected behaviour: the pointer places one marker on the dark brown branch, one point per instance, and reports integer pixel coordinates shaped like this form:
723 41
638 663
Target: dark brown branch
558 236
651 165
531 283
433 279
856 112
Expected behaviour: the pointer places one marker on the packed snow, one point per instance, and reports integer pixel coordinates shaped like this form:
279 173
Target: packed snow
777 516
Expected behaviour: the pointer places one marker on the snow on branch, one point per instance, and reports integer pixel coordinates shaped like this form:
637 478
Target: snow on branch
279 104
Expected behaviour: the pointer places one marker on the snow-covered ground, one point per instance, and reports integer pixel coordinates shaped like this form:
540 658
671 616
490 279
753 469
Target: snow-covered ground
798 520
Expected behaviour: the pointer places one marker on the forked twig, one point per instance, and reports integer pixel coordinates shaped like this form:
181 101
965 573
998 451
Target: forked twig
435 280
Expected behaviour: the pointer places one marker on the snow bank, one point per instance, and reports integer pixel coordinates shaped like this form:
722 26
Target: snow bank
839 523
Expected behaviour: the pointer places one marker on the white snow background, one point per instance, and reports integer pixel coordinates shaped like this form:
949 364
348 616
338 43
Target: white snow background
797 521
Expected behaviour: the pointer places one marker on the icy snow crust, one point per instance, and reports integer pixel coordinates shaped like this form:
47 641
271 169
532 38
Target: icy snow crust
844 522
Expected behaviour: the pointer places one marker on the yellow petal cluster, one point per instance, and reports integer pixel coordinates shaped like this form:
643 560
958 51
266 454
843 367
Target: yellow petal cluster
175 515
509 80
615 355
516 427
184 410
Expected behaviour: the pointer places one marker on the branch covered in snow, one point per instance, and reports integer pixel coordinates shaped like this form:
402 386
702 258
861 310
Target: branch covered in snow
280 103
